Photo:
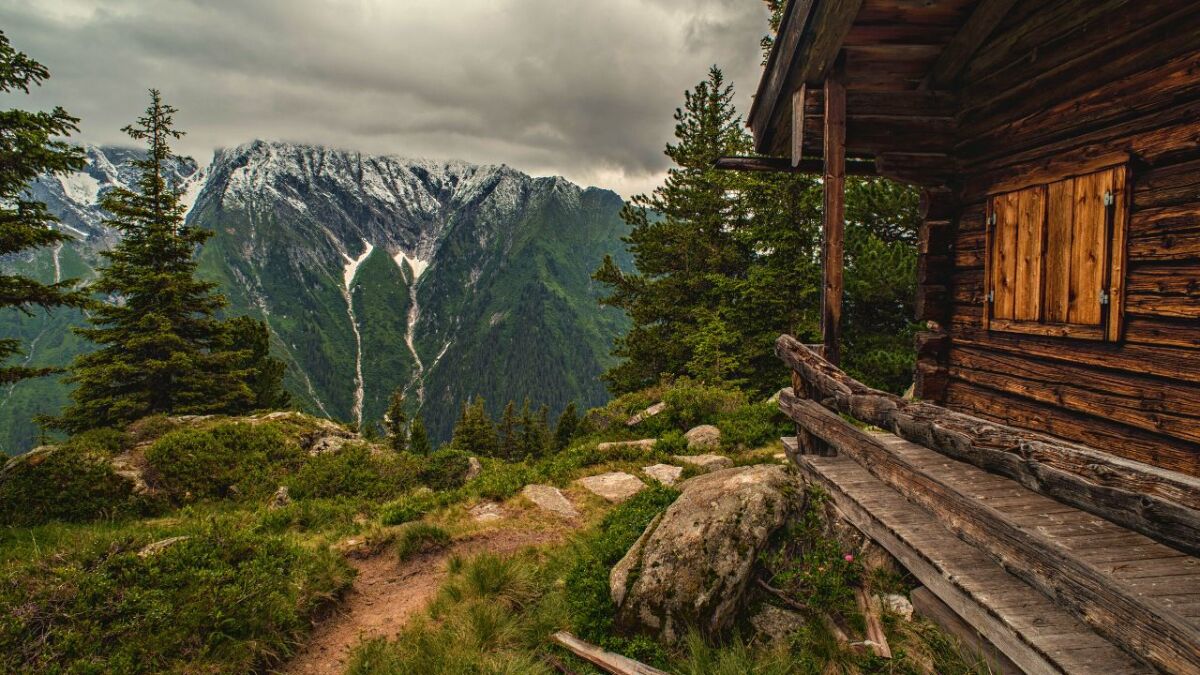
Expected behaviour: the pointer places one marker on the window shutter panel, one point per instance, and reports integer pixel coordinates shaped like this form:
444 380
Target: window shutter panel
1031 217
1089 249
1060 227
1006 208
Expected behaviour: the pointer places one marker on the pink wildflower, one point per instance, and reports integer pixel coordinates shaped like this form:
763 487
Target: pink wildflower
848 558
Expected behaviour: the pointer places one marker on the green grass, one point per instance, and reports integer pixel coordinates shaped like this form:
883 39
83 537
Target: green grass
420 538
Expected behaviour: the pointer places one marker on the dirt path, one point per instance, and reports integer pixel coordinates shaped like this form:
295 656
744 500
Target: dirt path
386 595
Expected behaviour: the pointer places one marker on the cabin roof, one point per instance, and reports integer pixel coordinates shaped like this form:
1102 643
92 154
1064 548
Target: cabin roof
901 59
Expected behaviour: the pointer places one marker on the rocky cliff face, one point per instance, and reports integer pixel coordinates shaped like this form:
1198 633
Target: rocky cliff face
450 279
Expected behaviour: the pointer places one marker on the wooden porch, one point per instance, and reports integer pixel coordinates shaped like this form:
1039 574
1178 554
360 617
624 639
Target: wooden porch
1060 571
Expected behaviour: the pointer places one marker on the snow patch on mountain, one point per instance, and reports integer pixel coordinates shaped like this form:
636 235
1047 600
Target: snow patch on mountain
352 264
80 187
416 265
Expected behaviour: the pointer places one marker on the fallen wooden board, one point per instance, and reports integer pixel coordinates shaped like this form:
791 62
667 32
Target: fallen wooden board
608 661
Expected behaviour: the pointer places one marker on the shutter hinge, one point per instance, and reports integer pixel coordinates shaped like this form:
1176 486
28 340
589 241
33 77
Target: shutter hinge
991 296
1109 198
992 219
1104 297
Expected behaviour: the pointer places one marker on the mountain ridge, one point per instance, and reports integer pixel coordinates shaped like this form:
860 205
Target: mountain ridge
381 269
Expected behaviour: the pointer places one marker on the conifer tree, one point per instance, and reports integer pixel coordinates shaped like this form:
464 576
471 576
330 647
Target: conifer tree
29 150
250 338
510 439
475 432
159 339
395 420
418 440
566 428
683 241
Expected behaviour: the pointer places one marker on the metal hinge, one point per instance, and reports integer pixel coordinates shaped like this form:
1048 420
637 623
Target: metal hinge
1109 198
991 296
992 219
1104 298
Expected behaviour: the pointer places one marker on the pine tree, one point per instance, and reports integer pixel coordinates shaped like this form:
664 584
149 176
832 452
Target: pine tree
418 441
158 334
29 150
395 420
510 439
683 241
566 428
475 432
250 339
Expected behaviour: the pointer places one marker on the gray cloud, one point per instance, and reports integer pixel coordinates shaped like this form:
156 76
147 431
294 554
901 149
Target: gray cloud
580 88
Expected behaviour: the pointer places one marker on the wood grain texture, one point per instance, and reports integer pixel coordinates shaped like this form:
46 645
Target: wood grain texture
1031 219
833 250
1154 633
1160 503
954 57
1060 229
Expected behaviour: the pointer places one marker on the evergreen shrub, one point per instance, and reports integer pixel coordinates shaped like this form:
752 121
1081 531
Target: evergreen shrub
356 471
66 483
752 425
445 469
227 460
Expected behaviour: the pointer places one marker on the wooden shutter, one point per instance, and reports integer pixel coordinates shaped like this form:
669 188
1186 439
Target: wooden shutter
1056 257
1017 223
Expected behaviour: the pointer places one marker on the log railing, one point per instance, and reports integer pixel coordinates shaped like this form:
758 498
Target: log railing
1162 504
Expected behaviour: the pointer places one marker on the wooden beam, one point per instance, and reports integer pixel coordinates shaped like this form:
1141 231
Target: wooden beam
605 660
1153 632
798 98
833 250
966 42
854 167
927 604
805 52
1159 503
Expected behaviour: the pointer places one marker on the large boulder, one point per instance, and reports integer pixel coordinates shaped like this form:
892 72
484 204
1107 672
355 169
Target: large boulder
616 486
703 437
692 565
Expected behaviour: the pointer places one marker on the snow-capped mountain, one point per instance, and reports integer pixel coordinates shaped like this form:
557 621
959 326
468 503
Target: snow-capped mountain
447 278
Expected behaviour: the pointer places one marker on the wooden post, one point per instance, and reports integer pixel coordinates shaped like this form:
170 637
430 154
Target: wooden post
833 253
798 98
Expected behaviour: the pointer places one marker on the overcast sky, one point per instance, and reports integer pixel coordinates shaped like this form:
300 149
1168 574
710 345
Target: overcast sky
581 88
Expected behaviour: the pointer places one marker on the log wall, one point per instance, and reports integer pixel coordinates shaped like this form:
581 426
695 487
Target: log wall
1061 84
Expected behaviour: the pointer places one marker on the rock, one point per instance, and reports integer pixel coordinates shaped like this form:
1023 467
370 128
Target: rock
474 468
780 457
695 564
280 499
160 546
777 624
644 444
550 499
898 604
646 414
703 437
486 512
618 578
705 462
615 487
326 444
666 474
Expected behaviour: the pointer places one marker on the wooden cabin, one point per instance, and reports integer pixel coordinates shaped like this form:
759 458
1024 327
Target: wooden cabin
1045 485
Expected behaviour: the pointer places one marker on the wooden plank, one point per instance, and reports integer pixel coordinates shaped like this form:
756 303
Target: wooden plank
606 660
777 72
1006 208
963 577
1031 218
798 125
834 214
1088 250
954 58
1159 503
1157 635
854 167
1060 227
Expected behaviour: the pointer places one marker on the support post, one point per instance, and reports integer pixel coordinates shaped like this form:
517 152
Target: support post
798 98
833 252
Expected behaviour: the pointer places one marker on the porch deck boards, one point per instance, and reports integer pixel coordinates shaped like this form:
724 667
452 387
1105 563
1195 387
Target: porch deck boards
1034 632
1159 575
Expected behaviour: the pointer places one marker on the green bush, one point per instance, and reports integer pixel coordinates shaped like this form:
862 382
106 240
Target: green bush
223 600
336 514
421 538
587 590
672 442
445 469
752 426
64 483
105 441
355 471
410 507
690 403
227 460
500 480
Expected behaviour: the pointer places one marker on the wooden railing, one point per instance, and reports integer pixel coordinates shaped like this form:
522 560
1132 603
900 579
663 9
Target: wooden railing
1159 503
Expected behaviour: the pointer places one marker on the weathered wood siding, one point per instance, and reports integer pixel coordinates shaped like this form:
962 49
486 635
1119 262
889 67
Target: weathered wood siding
1061 85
